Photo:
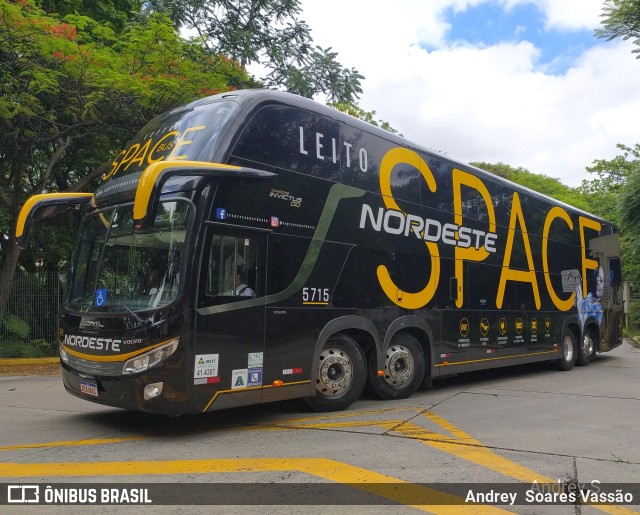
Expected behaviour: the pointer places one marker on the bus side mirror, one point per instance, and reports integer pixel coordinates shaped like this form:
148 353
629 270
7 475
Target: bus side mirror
36 202
156 174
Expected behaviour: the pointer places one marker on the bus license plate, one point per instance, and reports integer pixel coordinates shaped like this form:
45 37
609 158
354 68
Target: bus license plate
89 387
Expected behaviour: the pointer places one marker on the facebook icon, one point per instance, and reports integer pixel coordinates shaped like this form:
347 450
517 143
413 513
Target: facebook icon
221 213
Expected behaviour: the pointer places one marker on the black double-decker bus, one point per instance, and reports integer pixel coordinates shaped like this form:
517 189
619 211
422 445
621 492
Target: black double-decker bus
257 246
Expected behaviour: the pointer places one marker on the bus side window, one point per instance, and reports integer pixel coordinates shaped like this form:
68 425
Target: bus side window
233 270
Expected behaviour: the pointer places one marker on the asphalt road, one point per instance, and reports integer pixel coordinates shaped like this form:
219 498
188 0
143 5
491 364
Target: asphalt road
506 428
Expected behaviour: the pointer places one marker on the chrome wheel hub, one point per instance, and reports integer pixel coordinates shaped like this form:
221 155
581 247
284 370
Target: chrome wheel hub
398 366
335 372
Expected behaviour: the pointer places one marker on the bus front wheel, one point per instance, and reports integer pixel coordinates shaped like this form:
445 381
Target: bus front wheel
404 368
568 347
341 374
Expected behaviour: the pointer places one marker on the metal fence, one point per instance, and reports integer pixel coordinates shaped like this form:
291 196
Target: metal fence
30 326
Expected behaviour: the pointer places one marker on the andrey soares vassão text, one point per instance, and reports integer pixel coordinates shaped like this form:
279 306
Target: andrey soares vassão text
552 493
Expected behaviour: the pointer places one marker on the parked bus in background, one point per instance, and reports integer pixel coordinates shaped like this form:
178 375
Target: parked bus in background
256 246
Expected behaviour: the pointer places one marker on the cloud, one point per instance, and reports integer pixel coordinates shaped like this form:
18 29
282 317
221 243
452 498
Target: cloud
486 102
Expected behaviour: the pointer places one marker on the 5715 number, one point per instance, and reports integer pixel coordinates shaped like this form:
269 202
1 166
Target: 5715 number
315 295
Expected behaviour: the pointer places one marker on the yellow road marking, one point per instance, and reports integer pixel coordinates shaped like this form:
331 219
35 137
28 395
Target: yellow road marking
381 485
460 444
70 443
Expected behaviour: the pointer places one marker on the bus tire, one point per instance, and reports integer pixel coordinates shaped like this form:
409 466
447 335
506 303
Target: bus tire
404 368
341 375
587 350
568 347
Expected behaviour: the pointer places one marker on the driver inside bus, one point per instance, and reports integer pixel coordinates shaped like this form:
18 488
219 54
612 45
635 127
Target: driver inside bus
236 283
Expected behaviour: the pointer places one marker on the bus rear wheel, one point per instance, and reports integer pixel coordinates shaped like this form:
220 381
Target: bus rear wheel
587 350
341 374
404 368
568 347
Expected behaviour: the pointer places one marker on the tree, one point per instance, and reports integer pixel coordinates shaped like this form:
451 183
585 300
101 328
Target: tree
621 19
73 90
112 13
367 116
615 194
611 178
267 32
538 182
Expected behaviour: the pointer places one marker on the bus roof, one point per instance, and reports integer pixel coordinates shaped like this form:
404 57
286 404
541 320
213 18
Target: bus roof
250 100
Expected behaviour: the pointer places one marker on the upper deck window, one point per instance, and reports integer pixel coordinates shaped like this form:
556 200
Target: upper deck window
293 139
189 134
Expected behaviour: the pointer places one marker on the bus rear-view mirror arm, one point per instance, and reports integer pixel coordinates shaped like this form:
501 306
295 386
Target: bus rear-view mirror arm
156 174
36 202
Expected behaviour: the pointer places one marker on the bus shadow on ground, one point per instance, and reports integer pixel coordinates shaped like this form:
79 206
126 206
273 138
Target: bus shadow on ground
152 425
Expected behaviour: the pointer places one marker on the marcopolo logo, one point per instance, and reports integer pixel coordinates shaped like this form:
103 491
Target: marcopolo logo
91 342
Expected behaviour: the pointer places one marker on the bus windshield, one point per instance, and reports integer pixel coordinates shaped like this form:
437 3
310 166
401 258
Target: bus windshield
116 268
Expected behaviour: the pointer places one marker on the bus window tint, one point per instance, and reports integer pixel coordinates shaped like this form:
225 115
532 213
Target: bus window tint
232 271
313 141
286 255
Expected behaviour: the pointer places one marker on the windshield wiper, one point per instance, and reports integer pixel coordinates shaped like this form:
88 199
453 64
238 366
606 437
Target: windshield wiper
138 318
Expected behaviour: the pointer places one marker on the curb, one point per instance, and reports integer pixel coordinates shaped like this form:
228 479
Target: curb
28 361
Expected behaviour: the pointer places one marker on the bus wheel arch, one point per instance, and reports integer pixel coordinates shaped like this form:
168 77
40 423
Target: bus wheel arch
589 344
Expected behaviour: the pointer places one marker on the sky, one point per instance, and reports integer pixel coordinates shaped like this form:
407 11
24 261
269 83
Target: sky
522 82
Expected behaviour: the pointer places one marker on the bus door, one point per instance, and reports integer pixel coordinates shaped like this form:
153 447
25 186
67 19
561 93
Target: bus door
229 325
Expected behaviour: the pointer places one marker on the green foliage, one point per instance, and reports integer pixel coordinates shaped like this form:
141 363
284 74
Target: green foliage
44 347
544 184
73 91
621 19
611 176
16 326
633 316
114 13
22 349
266 32
368 116
614 193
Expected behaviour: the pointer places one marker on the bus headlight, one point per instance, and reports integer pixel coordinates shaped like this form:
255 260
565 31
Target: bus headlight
150 359
63 355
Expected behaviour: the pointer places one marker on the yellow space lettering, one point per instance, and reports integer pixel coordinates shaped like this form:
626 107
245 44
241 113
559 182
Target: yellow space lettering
471 253
555 212
182 142
404 299
162 146
510 274
149 152
139 156
587 263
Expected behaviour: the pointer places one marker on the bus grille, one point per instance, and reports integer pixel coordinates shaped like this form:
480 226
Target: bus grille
96 368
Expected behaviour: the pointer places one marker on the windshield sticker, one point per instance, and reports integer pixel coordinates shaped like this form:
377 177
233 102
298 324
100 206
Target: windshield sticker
101 297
